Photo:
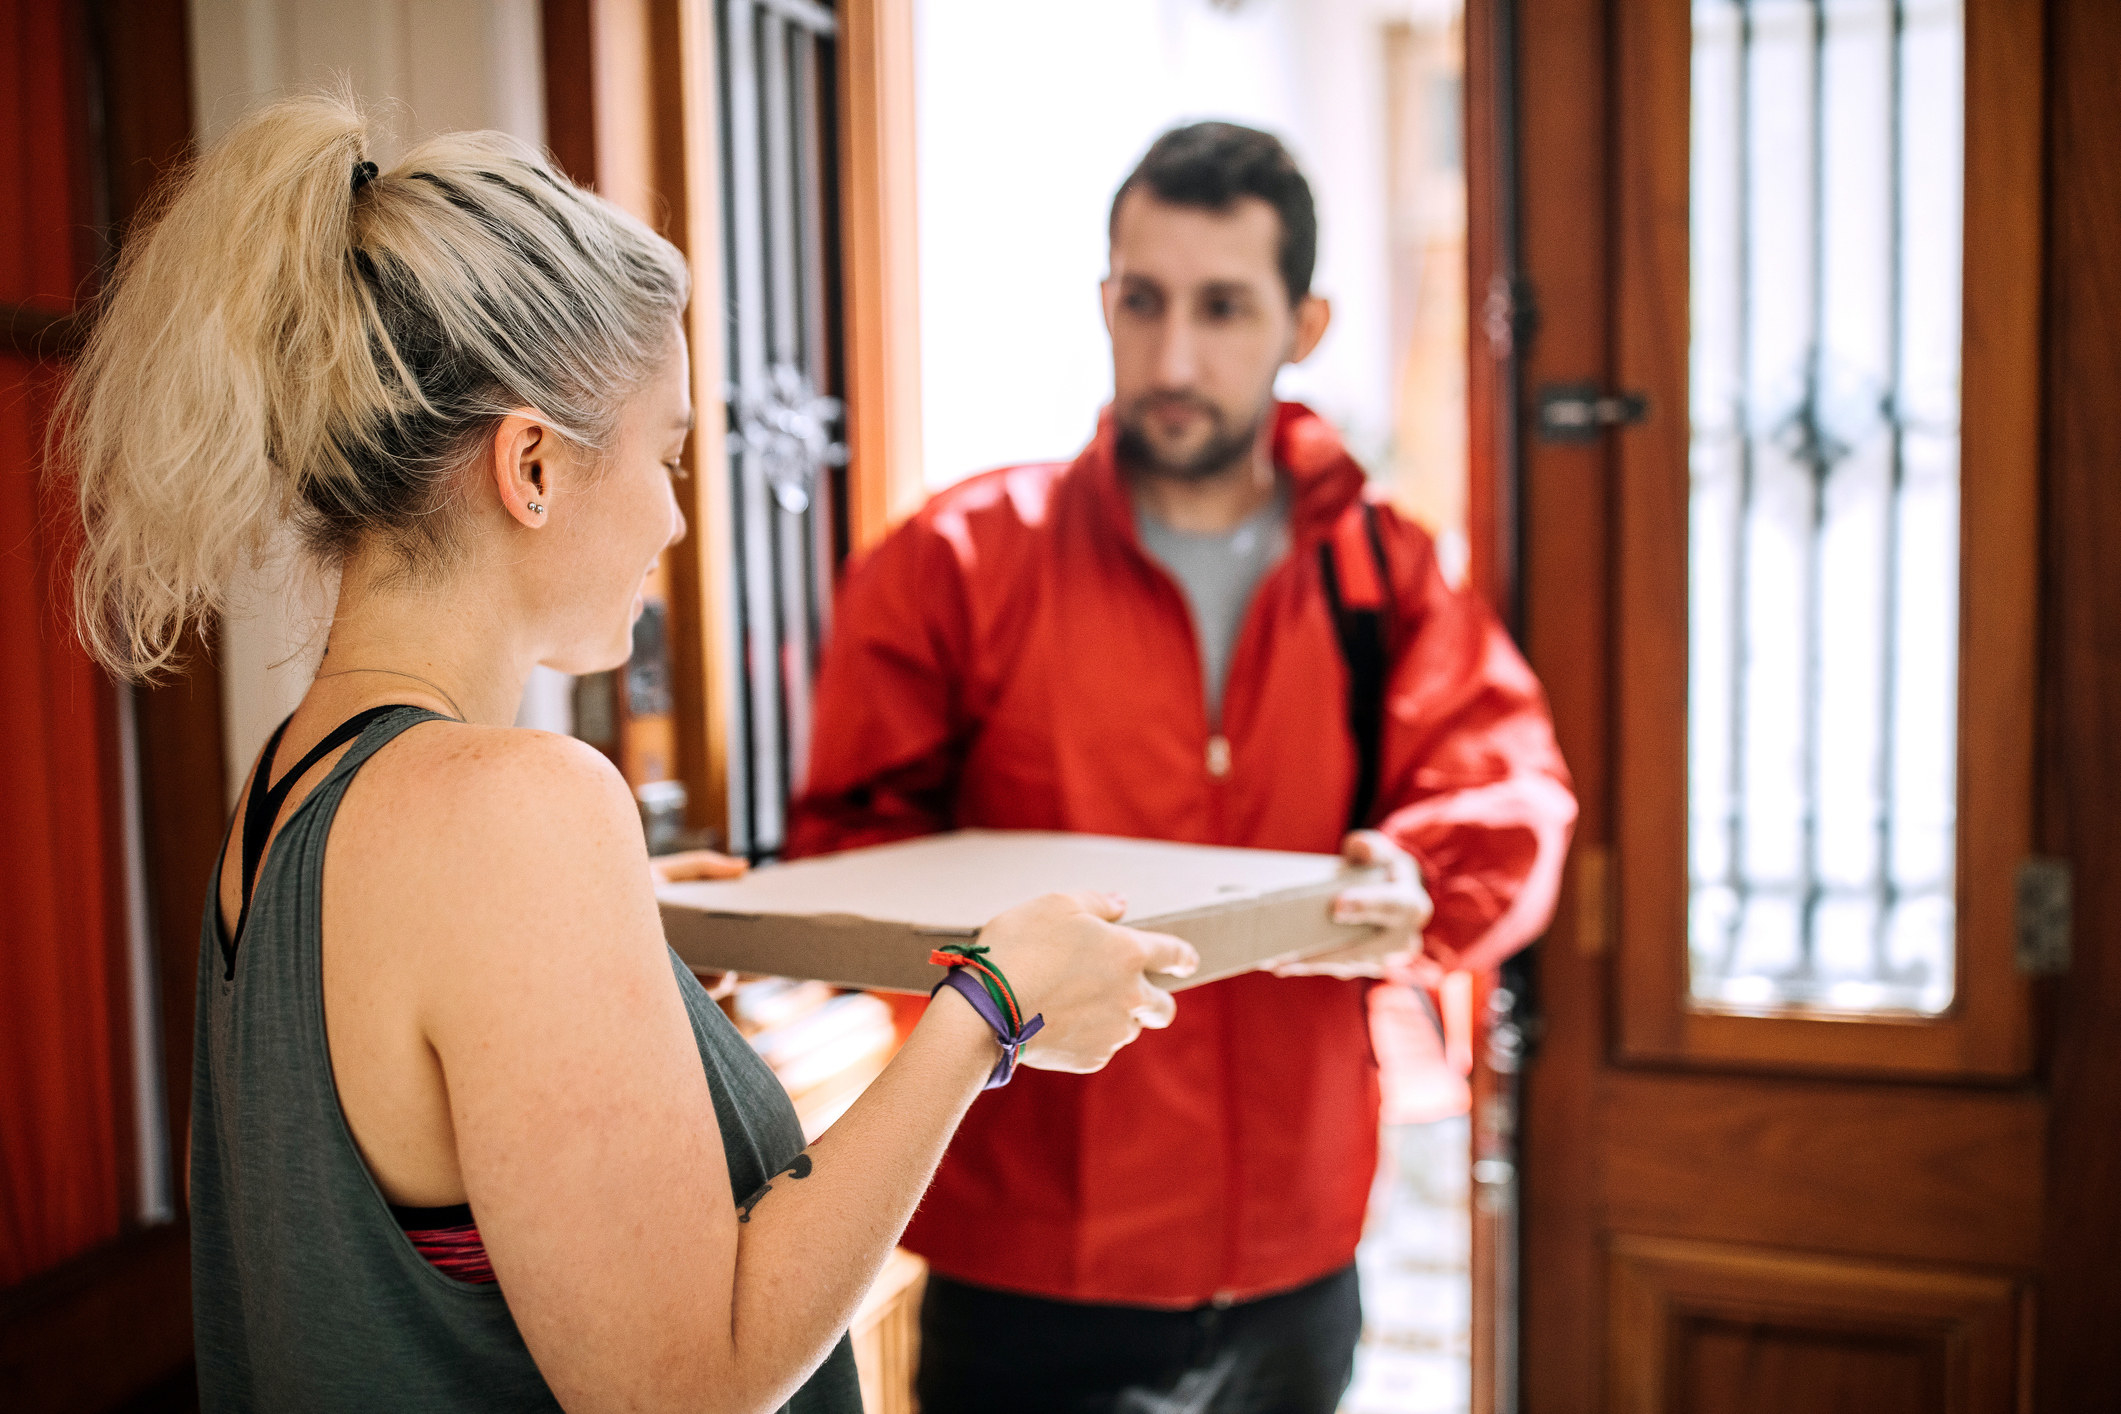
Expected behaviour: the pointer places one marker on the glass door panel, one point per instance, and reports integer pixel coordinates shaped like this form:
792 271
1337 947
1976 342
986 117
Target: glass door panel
1826 171
1824 689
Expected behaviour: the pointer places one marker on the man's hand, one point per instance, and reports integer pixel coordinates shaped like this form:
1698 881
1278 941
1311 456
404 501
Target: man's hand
701 864
1397 906
695 864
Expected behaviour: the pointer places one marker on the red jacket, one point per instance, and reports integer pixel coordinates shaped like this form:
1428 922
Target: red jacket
1011 658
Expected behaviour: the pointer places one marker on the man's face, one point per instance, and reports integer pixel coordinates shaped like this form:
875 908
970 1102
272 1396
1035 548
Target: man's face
1200 324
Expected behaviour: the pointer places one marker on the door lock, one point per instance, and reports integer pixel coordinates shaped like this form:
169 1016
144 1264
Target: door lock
1578 412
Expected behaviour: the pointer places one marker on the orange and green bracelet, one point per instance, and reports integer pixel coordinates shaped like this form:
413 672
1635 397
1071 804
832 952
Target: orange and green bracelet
981 983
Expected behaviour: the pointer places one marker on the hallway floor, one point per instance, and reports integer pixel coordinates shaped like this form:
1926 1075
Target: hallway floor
1416 1355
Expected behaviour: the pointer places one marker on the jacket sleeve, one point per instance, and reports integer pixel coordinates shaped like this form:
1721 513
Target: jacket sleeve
888 726
1473 785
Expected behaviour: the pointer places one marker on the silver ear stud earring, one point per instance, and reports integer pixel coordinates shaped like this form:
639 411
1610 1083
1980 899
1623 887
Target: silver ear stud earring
534 508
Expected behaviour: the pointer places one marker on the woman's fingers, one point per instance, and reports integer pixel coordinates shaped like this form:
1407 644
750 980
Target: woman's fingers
1170 956
1158 1007
1087 975
1110 907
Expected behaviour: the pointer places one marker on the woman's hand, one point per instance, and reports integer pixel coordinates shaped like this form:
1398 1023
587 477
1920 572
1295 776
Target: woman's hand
1069 961
1397 906
695 864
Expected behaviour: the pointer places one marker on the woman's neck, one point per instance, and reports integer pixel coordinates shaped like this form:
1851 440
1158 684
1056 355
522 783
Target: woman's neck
428 642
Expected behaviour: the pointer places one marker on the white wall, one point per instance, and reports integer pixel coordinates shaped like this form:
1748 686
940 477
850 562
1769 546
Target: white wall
424 66
432 65
1032 114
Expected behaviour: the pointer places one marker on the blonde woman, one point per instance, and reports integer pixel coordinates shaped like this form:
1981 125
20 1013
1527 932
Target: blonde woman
465 1134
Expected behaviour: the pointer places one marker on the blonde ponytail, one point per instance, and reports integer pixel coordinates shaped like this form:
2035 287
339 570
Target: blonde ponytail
298 342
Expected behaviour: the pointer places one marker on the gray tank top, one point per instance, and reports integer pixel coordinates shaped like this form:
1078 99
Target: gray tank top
305 1293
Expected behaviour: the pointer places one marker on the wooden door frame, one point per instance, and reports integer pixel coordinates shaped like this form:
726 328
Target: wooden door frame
1495 319
631 110
2077 1358
1573 1085
880 264
1566 514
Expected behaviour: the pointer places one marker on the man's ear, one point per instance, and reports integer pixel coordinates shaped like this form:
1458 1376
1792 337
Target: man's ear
1107 300
1313 314
525 465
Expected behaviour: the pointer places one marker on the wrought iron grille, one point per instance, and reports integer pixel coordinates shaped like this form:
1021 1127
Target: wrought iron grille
779 214
1827 167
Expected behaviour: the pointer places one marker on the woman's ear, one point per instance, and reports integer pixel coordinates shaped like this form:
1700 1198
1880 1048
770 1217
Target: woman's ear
526 455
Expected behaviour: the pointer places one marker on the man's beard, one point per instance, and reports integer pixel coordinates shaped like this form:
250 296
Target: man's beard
1227 448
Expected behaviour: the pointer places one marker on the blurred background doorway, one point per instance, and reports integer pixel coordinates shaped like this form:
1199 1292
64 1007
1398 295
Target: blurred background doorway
1029 117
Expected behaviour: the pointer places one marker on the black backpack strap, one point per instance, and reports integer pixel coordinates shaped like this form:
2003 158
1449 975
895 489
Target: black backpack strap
1359 594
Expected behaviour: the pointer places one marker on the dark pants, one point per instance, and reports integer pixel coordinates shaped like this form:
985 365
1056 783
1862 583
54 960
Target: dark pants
985 1351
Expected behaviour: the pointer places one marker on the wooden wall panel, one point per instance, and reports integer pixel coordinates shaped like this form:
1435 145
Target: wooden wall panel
1999 508
1492 507
1733 1367
87 1337
630 108
1651 57
146 55
1885 1170
879 225
2080 1308
1699 1328
567 34
702 644
65 1074
117 1320
1491 218
177 723
147 135
1561 61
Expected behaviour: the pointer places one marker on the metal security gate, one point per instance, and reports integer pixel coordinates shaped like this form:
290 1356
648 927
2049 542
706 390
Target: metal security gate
779 205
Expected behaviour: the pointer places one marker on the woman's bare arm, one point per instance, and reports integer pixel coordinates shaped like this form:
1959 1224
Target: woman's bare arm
584 1128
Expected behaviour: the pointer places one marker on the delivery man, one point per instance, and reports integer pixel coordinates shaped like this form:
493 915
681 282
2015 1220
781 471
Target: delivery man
1199 630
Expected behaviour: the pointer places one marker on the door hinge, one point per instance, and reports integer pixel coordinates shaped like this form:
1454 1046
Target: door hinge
2043 916
1578 412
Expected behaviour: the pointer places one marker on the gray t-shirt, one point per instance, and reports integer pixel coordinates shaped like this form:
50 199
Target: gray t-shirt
1218 574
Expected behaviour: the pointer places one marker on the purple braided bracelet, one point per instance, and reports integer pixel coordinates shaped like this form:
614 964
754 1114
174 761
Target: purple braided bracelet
961 981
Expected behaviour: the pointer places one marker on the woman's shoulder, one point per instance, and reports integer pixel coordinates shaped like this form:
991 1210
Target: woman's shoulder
463 847
507 799
464 766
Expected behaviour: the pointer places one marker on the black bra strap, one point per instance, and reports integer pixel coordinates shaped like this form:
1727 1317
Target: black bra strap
261 806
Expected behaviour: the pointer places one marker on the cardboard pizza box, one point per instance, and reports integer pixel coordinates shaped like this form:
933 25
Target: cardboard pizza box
870 917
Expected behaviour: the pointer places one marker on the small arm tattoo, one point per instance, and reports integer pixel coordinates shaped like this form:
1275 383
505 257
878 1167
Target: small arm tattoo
798 1168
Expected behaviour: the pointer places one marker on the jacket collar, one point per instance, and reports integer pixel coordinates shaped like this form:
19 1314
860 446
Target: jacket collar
1323 479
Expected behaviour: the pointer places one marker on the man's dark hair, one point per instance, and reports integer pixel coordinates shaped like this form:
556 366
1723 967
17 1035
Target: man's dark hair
1213 166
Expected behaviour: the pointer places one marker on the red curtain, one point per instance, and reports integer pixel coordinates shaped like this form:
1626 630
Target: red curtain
61 1119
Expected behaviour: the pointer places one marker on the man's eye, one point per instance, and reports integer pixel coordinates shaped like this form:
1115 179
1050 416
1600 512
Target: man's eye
1139 304
1222 309
676 468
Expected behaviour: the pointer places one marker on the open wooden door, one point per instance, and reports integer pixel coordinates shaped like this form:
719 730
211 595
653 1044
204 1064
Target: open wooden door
1784 1140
